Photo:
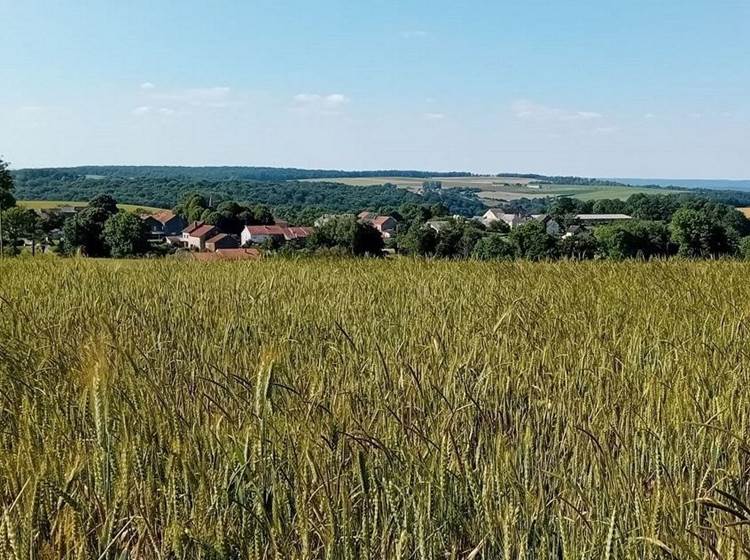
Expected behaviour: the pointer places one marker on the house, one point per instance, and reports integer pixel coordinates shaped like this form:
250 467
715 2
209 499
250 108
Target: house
196 234
164 224
228 255
222 241
386 225
498 215
552 226
437 225
601 219
259 234
325 218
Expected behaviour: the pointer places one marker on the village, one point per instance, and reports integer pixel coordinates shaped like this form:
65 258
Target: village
208 242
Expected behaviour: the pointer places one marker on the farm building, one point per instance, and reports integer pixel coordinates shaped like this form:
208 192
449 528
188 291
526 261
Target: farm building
259 234
196 234
601 219
163 224
222 241
498 215
386 225
551 224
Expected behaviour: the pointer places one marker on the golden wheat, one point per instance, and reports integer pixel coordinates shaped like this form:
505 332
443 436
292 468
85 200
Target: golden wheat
371 409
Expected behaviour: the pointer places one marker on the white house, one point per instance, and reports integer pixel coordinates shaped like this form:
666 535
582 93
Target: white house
259 234
196 234
498 215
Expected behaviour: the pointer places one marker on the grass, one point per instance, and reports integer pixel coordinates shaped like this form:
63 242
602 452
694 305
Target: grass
493 189
366 409
44 204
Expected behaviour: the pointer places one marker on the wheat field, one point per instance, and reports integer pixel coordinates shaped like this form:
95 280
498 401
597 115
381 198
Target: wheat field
374 409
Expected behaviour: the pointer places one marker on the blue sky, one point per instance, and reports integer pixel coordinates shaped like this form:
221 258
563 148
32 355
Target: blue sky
599 88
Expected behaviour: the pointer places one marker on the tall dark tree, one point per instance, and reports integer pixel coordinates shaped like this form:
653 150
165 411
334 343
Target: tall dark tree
84 231
532 241
7 200
698 234
348 234
126 235
105 202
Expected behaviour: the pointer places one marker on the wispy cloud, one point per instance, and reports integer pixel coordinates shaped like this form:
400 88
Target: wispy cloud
140 111
144 110
414 34
147 85
328 104
524 109
434 116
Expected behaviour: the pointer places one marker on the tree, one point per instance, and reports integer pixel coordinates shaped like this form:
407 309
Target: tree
191 206
744 248
83 232
493 247
419 240
578 247
7 200
126 235
18 223
350 235
634 238
614 242
531 241
104 202
610 206
698 234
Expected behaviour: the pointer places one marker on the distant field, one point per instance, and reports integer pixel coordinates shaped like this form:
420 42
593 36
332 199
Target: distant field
508 188
745 211
40 204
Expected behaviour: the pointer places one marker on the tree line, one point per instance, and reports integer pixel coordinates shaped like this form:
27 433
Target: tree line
296 200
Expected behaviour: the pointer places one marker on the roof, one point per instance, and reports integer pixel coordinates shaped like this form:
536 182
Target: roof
164 216
366 215
217 238
603 217
381 220
280 231
192 227
202 231
499 214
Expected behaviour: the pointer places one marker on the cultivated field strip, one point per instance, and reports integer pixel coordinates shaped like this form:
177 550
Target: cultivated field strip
373 409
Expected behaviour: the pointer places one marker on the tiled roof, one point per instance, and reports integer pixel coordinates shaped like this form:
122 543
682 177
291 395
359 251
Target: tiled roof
280 231
203 231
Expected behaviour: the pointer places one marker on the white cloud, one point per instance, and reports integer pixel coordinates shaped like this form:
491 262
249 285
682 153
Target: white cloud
434 116
147 85
649 116
414 34
328 104
148 110
529 110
